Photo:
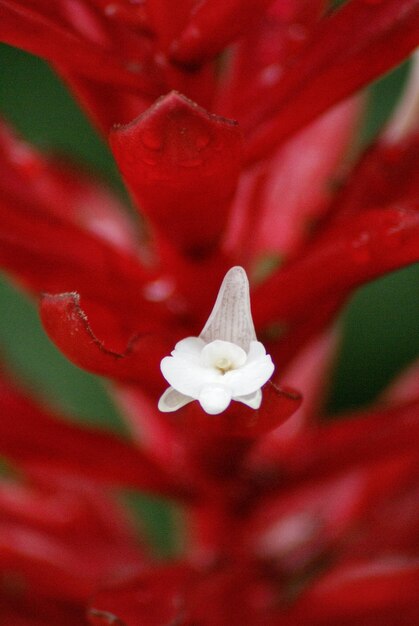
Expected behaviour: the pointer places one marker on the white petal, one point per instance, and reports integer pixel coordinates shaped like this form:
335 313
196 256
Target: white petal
253 400
214 399
172 400
189 347
231 319
186 376
250 377
218 350
256 351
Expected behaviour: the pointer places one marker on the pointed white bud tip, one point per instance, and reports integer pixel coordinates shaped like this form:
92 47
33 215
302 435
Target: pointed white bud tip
225 362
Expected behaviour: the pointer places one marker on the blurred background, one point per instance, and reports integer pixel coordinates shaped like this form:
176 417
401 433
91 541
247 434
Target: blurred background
380 328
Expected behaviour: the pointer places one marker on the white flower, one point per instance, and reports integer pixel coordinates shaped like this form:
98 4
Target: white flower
225 362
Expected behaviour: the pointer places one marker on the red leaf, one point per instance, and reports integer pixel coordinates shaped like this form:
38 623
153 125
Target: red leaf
36 611
258 58
350 48
68 327
386 174
166 22
354 252
62 231
309 371
34 438
296 186
156 598
181 164
364 438
383 591
177 594
105 104
34 32
65 539
213 25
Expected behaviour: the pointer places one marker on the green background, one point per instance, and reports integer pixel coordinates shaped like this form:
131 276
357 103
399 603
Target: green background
380 324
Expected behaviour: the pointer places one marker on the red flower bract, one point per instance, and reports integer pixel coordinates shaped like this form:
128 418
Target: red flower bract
228 121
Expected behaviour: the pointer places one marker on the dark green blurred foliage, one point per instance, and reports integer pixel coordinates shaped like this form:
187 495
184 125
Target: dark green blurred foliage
39 106
160 523
380 337
46 372
380 325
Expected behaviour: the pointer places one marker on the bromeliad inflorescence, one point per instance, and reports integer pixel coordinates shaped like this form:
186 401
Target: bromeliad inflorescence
225 362
235 126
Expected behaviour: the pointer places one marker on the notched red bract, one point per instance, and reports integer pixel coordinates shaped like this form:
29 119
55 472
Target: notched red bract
68 327
181 164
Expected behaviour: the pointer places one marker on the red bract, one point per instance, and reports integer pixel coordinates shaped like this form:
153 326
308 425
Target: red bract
231 123
172 159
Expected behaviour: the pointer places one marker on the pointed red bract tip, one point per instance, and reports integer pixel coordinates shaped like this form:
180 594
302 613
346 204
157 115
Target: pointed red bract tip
181 164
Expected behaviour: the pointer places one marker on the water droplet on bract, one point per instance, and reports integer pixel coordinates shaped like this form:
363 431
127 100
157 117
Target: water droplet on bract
24 158
151 140
297 32
20 154
160 59
270 74
202 140
158 290
110 9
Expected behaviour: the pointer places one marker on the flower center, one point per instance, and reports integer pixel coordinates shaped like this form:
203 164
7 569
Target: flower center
224 365
222 356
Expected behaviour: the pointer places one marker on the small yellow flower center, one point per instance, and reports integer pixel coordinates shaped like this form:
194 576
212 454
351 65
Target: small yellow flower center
224 365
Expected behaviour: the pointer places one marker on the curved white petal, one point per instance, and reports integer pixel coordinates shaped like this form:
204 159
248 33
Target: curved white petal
253 400
219 351
186 376
172 400
214 399
250 377
256 351
231 318
191 347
